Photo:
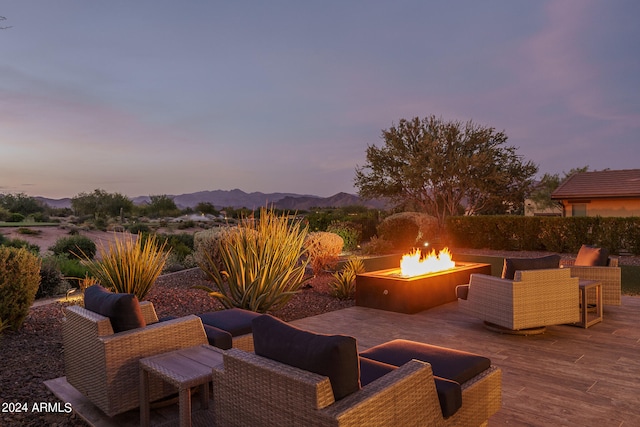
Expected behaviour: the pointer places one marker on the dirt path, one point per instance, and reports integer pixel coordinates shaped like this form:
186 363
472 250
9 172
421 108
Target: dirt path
48 236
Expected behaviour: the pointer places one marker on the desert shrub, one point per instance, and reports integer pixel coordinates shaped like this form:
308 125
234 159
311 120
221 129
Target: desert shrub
72 269
129 265
206 248
74 246
138 228
400 230
21 244
343 283
186 224
323 249
15 217
28 231
351 233
261 267
52 281
19 281
377 246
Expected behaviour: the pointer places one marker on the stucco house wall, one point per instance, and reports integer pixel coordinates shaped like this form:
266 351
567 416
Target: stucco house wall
604 208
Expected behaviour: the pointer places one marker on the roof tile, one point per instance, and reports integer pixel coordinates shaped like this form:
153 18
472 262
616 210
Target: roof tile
600 184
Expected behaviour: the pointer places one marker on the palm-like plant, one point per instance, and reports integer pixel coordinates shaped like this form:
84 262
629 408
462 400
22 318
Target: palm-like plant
129 265
261 264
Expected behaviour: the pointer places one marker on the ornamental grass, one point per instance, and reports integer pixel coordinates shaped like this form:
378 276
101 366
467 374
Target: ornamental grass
129 265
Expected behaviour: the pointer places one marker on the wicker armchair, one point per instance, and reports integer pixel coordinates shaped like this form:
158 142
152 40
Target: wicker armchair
534 299
609 276
103 365
253 390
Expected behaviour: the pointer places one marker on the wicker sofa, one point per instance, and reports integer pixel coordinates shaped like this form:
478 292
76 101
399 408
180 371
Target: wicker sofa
530 301
103 364
252 389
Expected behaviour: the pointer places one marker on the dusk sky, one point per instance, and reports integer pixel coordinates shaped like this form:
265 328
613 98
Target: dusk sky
171 97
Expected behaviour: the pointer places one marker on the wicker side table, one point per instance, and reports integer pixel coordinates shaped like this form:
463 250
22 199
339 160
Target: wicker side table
184 369
585 319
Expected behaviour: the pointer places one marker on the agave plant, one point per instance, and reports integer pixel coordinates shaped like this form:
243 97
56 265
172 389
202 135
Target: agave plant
261 266
129 265
344 281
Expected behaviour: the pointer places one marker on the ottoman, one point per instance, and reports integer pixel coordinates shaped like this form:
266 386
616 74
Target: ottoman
450 367
229 328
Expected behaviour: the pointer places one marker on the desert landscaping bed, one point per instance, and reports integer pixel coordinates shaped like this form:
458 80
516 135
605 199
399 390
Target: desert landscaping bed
35 353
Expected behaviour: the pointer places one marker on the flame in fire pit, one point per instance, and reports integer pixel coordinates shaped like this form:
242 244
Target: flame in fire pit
414 265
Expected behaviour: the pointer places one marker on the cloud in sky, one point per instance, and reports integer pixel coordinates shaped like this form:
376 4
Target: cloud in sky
155 97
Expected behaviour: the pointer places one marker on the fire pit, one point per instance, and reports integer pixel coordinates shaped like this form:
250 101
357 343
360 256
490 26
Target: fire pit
395 290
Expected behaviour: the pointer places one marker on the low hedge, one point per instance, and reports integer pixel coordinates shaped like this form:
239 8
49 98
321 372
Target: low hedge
553 234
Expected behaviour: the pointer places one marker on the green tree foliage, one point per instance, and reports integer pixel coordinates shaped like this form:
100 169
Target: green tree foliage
541 195
21 203
445 168
101 204
206 208
161 206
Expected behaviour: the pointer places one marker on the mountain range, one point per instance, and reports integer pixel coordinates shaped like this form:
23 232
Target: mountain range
239 199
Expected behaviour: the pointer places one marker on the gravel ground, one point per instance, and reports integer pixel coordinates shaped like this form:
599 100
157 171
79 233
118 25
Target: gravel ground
35 353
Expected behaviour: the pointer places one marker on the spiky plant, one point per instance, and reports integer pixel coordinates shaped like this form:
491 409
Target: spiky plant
129 265
260 263
344 281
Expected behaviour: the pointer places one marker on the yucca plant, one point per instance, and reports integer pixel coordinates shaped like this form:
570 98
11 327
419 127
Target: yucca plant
344 281
129 265
260 263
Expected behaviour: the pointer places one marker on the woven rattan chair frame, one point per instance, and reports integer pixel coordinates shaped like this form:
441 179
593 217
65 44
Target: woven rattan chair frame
533 299
253 390
103 365
610 277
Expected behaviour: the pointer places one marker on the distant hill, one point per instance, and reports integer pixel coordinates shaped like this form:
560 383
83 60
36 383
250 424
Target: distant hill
299 203
239 199
55 203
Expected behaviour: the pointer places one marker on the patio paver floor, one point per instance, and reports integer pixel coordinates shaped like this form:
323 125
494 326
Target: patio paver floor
567 376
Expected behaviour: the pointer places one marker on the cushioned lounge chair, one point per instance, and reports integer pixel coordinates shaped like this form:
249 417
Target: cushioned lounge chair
101 358
526 303
593 263
301 378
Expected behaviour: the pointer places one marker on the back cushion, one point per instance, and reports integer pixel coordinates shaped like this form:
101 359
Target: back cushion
123 310
591 256
511 265
334 356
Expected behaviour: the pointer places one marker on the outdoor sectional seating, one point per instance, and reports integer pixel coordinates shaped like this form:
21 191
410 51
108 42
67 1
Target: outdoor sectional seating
297 377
